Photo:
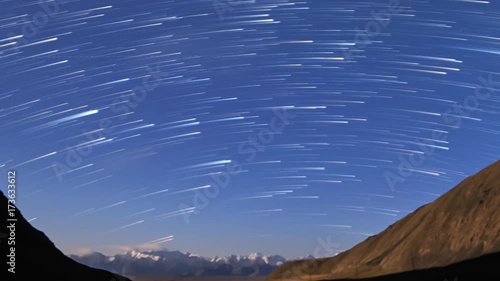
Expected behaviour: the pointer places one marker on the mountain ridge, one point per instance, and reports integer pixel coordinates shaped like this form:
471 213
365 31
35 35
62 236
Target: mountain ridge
464 221
176 263
36 254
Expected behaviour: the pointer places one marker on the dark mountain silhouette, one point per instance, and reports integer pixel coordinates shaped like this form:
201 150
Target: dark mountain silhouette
36 256
463 225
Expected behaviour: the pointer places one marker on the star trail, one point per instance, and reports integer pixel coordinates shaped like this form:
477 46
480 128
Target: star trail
229 127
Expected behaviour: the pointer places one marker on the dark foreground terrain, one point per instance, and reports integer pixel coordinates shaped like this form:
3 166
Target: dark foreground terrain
230 278
34 255
484 268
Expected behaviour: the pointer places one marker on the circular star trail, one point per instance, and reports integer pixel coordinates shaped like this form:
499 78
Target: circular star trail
223 127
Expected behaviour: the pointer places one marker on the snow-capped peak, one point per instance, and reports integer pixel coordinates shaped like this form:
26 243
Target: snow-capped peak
254 256
140 255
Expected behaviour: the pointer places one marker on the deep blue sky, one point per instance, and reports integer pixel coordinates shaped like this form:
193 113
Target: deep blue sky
360 106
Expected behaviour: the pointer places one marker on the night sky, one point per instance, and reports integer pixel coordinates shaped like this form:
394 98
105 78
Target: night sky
232 127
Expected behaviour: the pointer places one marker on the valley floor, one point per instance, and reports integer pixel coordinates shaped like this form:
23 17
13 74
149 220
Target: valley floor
167 278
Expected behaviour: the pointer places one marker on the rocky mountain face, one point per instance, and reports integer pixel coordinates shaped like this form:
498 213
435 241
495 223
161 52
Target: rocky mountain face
34 255
175 263
462 224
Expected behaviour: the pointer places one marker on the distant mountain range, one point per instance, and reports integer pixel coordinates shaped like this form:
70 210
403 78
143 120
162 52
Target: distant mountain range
176 263
457 234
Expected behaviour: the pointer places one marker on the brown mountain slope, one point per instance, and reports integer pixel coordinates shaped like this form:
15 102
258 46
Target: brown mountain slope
462 224
34 257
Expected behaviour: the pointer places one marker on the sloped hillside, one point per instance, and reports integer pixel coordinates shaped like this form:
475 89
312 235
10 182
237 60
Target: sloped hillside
462 224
